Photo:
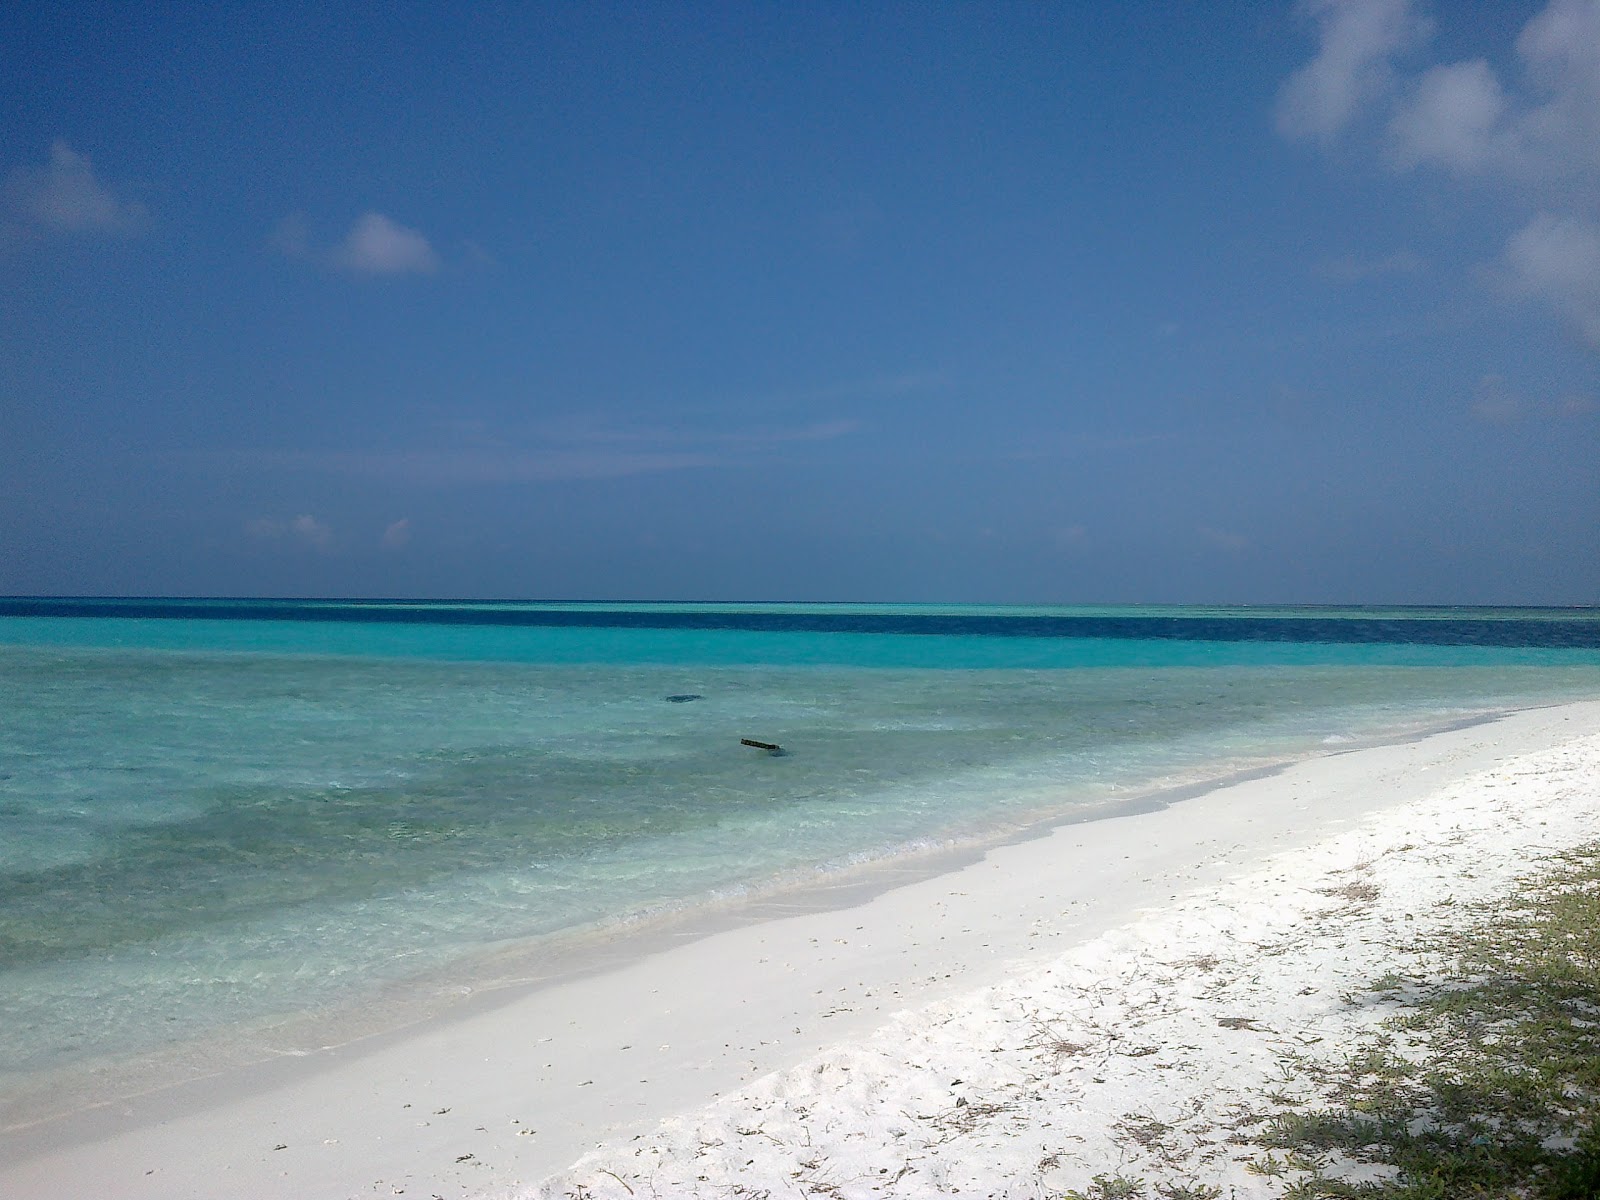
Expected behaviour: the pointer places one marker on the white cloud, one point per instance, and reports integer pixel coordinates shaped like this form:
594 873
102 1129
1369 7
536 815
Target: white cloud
378 246
1537 138
1357 39
1458 116
1451 119
1560 49
1462 117
397 535
1557 260
65 197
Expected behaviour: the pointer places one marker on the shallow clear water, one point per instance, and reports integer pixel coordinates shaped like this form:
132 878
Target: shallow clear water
209 820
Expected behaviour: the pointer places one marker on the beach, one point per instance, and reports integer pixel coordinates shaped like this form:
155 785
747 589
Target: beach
609 601
987 1025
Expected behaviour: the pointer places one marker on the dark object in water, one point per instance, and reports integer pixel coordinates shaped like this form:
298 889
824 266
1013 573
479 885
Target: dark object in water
684 697
769 747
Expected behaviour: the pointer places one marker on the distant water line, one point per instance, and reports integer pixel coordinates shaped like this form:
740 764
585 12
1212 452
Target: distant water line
1559 628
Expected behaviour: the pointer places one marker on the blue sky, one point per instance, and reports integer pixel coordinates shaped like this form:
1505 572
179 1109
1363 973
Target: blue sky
1012 302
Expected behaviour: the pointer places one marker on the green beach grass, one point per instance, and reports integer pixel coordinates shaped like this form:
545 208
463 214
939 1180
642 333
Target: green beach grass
1482 1081
1486 1079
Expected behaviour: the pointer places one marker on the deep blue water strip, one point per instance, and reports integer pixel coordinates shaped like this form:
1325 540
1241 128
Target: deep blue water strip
1552 629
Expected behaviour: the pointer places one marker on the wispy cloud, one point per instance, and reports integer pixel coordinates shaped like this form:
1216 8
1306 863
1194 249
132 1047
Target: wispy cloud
882 387
1494 403
1076 445
397 535
304 530
1497 403
866 390
1223 539
429 466
1071 538
758 437
1536 138
375 245
65 197
573 451
1349 269
477 256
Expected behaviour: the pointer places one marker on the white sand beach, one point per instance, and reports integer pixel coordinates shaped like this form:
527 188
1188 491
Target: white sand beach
1005 1028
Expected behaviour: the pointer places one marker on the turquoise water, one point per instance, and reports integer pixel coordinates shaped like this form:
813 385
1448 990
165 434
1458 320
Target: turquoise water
216 818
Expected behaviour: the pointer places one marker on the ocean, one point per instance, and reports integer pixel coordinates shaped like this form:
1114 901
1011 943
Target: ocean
220 820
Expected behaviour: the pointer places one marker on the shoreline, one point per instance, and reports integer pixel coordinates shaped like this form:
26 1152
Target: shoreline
1155 1055
494 974
609 1053
261 1054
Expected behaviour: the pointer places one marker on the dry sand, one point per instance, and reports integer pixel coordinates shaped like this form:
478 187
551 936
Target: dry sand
1095 1000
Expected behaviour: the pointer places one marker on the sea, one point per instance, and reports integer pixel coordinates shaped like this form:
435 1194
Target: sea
221 820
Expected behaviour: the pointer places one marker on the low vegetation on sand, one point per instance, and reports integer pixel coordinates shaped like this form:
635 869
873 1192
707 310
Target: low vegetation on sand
1485 1081
1482 1081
